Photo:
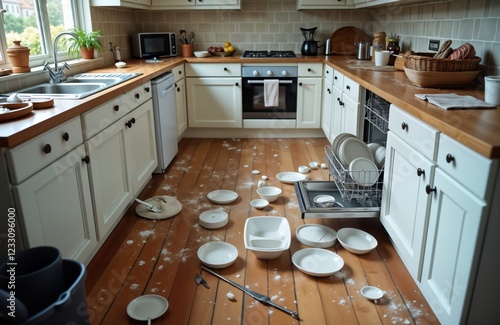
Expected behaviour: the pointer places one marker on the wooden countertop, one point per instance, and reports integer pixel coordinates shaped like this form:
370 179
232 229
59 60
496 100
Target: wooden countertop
477 129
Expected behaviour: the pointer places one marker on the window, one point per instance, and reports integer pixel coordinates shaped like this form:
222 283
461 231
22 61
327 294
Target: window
36 23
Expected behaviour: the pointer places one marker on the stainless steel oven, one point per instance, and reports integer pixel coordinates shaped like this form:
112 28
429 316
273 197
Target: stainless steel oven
253 92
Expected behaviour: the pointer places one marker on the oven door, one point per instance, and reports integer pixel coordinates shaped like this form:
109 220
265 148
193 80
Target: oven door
253 99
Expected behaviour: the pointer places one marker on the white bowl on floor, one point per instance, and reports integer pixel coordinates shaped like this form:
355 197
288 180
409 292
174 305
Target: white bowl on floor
217 254
269 193
267 237
356 241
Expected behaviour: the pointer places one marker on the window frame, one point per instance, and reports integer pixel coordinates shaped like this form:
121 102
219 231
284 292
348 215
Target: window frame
81 18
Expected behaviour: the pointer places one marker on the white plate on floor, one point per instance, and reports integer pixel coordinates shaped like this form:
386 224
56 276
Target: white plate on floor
290 177
213 219
217 254
222 196
317 261
352 148
364 171
147 306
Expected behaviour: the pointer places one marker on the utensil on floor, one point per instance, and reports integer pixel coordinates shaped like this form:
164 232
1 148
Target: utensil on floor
199 280
149 206
260 297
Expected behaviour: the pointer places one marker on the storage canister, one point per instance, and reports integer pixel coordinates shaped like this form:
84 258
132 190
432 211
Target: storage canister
378 43
19 57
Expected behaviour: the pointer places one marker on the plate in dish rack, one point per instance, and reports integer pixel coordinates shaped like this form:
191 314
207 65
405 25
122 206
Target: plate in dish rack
290 177
222 196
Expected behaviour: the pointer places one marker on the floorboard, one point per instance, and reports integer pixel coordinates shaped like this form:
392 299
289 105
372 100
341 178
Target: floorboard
160 257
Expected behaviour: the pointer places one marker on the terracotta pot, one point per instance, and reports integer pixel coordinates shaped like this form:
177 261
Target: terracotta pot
19 57
87 53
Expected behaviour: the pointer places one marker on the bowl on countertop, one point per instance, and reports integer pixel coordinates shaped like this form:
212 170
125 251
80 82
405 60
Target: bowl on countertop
201 54
120 64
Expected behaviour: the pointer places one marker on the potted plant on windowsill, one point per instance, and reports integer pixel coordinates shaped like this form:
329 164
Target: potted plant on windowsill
83 43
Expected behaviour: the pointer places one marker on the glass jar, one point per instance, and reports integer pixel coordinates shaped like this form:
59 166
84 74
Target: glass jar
393 47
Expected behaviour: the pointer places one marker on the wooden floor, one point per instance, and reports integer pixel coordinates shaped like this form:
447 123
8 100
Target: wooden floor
159 257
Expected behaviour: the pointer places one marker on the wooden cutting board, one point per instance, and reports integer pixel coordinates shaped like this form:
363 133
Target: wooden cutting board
343 40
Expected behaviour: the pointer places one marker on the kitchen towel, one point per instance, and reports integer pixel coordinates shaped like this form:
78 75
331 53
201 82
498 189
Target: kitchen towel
271 92
454 101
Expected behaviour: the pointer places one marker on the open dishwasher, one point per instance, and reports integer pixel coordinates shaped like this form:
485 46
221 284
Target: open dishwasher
352 199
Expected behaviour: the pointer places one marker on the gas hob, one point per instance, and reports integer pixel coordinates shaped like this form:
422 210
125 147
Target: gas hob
268 54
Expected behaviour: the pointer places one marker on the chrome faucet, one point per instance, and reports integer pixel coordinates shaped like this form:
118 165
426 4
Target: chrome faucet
57 75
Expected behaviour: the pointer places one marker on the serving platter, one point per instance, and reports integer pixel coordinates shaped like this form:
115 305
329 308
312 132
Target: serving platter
344 40
222 196
15 110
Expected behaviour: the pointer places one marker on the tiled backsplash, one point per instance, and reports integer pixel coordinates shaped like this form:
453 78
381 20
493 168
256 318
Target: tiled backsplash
276 24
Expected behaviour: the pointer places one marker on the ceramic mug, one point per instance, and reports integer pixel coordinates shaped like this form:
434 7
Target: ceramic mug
382 58
492 90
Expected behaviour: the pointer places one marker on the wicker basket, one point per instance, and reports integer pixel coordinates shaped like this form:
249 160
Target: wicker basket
426 62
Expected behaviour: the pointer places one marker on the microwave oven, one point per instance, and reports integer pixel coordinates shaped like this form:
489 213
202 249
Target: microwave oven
154 45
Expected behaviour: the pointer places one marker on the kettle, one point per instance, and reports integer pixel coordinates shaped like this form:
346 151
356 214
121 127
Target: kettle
362 50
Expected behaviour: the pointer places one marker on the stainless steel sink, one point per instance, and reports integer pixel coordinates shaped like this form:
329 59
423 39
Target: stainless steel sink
78 86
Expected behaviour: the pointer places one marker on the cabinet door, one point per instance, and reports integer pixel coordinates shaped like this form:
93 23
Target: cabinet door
309 103
351 119
214 102
141 143
326 109
56 207
337 115
451 248
405 204
111 184
180 101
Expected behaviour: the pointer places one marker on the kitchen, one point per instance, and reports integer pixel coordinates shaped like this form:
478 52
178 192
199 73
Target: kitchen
283 16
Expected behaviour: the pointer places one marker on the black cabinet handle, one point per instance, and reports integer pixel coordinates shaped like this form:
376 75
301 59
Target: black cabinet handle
327 72
116 108
178 89
86 159
404 126
147 89
180 72
65 136
237 84
449 158
137 96
133 120
308 69
329 91
47 149
341 103
128 124
348 87
420 172
225 69
300 83
429 189
335 78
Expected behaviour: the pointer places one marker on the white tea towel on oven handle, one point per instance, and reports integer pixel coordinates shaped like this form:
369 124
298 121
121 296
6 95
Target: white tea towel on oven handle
271 92
454 101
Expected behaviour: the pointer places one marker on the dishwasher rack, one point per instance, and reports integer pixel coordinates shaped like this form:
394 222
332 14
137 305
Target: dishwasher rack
377 112
349 189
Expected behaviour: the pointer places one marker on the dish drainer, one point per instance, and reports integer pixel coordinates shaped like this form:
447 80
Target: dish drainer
377 114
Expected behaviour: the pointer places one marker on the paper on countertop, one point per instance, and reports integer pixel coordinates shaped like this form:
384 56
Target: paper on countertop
271 92
454 101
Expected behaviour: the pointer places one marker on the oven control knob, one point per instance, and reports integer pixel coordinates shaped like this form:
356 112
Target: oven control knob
269 72
284 72
255 73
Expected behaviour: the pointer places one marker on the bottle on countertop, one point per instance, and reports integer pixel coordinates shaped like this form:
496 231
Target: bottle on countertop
393 47
118 54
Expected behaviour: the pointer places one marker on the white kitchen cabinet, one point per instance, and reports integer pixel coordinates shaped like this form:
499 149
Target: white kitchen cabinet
122 154
325 4
214 95
56 207
327 103
180 99
409 169
196 4
405 204
347 112
463 184
309 91
136 4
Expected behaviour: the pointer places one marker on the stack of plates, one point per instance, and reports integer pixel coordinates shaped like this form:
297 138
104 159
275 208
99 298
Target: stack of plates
357 157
